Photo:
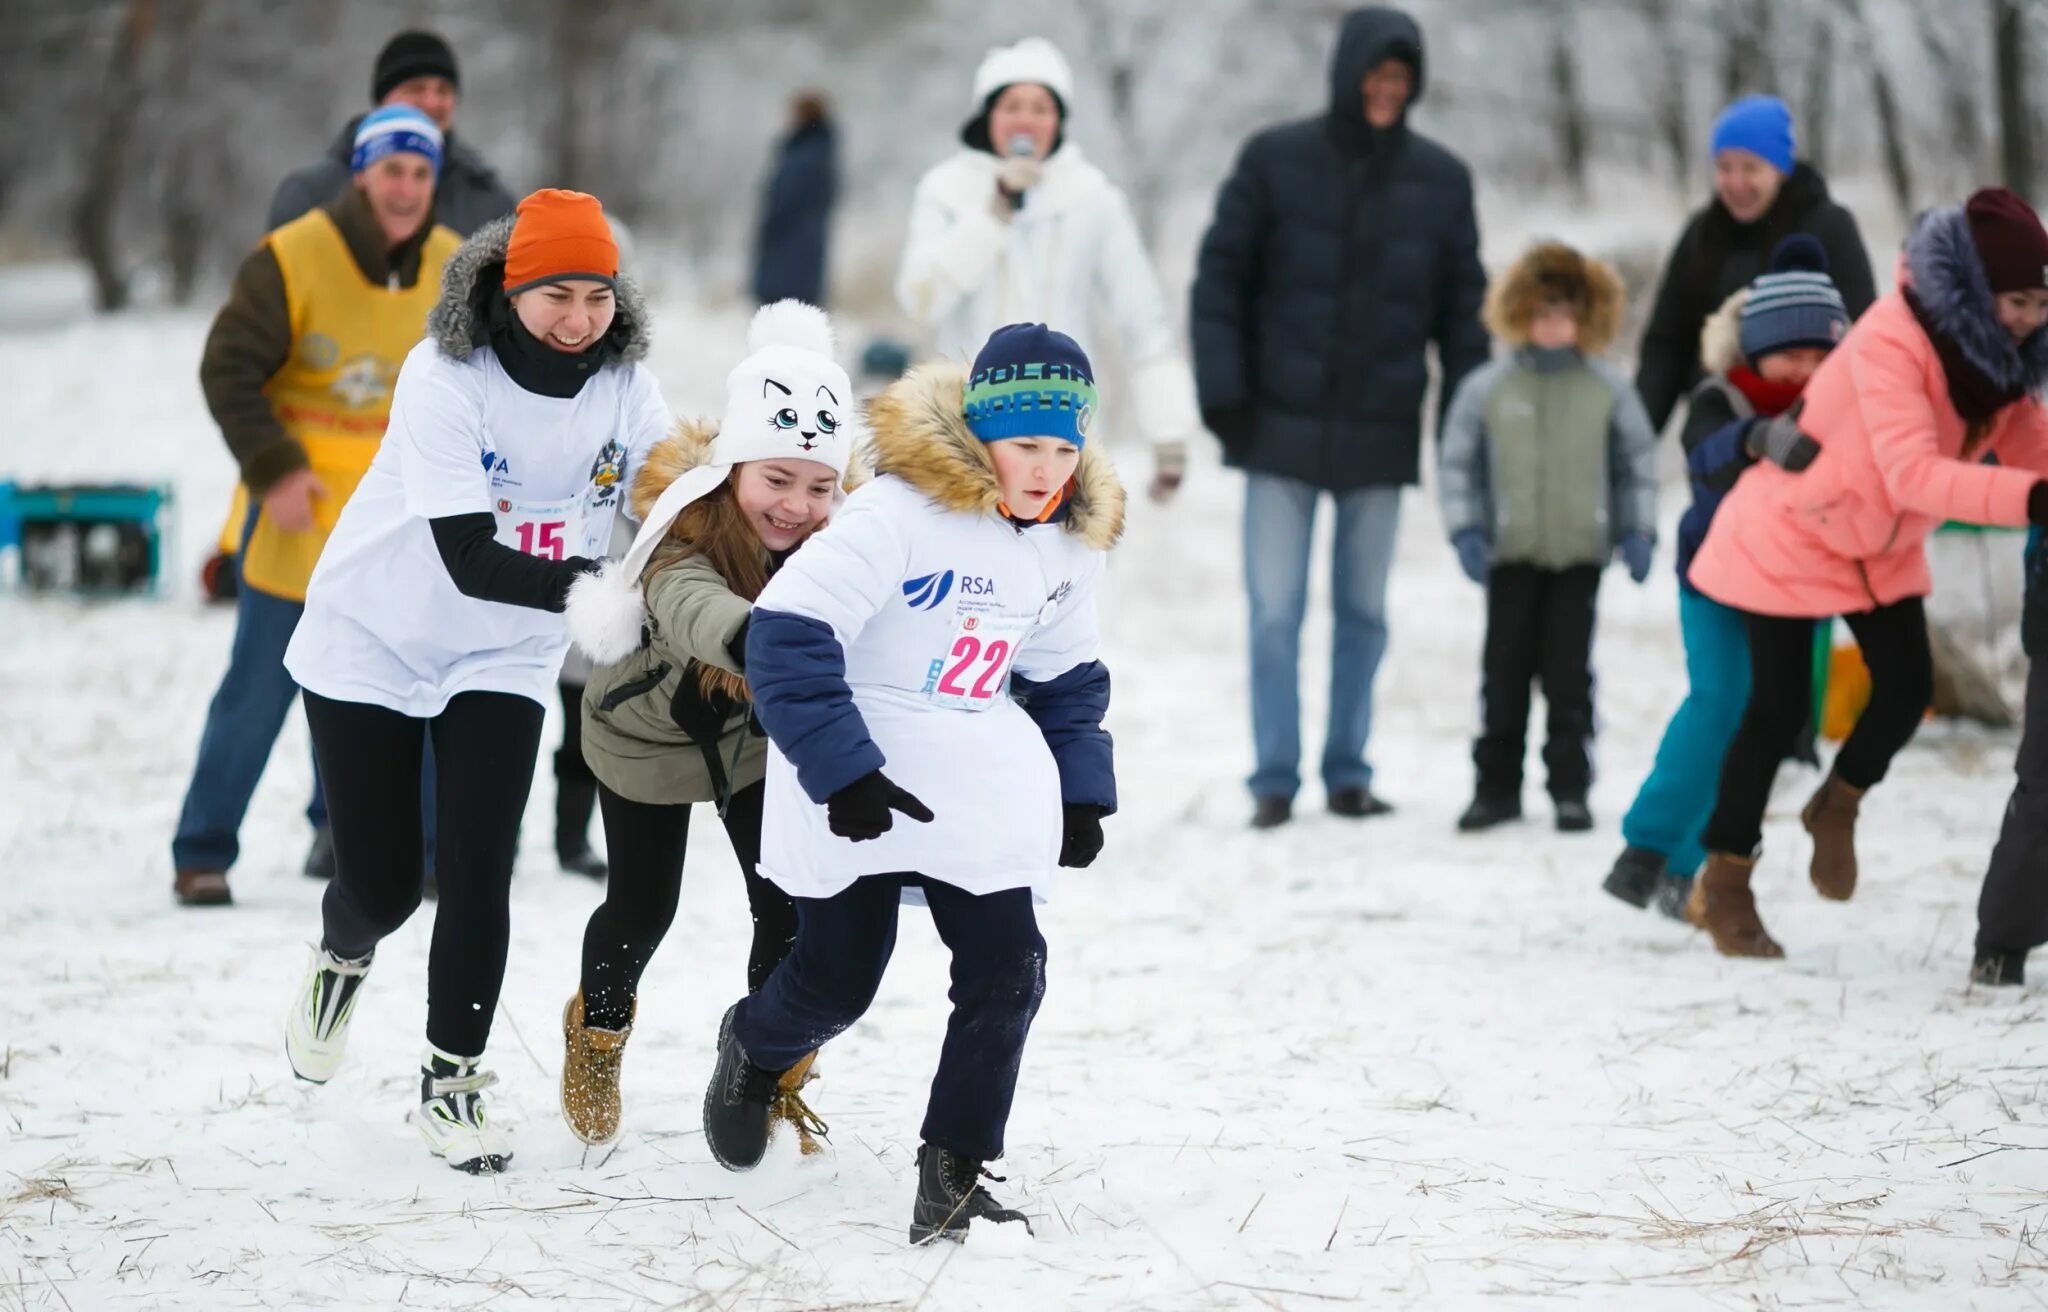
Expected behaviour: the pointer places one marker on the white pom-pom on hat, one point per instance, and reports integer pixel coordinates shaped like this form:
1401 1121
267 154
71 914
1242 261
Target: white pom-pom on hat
792 323
606 613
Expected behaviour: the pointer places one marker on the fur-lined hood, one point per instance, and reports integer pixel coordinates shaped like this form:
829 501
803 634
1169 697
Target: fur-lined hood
460 320
1551 271
921 436
1721 335
1940 264
688 447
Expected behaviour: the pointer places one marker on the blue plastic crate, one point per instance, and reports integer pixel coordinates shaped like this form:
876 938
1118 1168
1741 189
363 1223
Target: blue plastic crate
86 538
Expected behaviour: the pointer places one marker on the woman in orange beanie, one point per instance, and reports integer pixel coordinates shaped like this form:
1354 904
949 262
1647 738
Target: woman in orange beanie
436 610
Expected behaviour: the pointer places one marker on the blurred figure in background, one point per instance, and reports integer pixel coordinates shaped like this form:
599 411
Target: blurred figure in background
298 372
1020 228
796 210
1762 194
1343 246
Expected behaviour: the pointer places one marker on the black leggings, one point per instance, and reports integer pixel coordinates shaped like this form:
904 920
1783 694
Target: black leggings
485 744
645 845
1894 643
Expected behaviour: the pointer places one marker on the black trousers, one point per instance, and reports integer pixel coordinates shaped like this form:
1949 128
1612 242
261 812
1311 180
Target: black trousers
570 767
646 845
1539 628
485 745
1894 644
843 944
2012 911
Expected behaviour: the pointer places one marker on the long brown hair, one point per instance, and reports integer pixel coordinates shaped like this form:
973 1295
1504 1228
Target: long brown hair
714 527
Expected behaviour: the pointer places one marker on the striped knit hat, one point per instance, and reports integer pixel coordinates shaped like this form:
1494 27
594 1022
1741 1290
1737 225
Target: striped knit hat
1793 305
1030 381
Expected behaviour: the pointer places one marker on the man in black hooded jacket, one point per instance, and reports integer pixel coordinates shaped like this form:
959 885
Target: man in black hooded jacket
1343 245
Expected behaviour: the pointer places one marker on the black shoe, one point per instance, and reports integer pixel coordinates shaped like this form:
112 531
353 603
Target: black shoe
1673 892
738 1103
1999 968
1272 812
1488 810
585 862
320 859
949 1195
573 805
1573 815
1358 804
1636 875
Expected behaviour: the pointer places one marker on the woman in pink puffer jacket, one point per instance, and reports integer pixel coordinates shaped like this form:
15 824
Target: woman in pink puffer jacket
1900 426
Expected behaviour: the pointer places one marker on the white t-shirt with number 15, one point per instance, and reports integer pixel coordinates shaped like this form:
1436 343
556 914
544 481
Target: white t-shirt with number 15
384 623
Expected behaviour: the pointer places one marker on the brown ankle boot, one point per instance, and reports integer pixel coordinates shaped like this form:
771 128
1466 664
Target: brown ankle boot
789 1106
1831 818
202 888
590 1075
1722 904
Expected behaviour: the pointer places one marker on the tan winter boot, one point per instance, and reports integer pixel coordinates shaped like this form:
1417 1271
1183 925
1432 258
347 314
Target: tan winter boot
1722 904
789 1106
590 1075
1831 818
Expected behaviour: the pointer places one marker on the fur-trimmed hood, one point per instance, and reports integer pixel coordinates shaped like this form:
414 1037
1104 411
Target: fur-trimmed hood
688 447
1940 265
460 320
1721 335
921 436
1551 271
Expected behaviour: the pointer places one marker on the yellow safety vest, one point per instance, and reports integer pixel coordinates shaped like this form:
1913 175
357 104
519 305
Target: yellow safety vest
333 396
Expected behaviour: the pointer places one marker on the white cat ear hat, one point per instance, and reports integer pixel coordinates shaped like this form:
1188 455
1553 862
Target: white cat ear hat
788 400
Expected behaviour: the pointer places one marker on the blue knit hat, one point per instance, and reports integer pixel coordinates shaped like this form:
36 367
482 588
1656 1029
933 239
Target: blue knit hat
392 129
1761 125
1030 381
1793 305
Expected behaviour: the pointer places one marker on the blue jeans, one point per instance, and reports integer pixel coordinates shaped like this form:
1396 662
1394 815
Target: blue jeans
1671 809
1279 522
242 725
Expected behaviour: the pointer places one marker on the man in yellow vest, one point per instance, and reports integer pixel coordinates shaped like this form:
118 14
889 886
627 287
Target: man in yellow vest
298 372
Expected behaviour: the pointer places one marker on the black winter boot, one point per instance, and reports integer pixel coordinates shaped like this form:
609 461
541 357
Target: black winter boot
1272 812
1573 815
575 799
738 1103
1999 968
1673 892
1636 875
949 1195
1488 810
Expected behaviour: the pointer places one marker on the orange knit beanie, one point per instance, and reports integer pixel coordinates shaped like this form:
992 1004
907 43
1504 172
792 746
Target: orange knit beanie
559 235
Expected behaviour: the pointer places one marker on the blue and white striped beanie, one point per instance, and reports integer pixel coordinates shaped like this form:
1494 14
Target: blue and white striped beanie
392 129
1795 304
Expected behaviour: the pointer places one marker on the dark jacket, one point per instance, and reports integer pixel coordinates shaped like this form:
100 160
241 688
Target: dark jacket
467 195
251 338
1337 255
1716 257
796 213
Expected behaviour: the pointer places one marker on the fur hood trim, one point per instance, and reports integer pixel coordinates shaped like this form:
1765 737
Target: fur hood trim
1721 335
1947 278
460 320
921 436
1551 271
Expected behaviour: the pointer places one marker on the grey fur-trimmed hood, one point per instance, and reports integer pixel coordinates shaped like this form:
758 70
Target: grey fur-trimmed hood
460 320
1948 281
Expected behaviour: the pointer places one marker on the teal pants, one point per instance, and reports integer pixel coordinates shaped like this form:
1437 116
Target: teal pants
1671 808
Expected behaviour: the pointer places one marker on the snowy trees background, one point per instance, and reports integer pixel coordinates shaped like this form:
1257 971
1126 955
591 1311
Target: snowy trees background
144 136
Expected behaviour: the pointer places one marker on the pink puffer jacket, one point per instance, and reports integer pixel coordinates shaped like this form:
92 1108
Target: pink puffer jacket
1849 533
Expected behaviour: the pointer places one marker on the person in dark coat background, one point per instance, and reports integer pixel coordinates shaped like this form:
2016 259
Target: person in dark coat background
1343 245
796 210
1762 195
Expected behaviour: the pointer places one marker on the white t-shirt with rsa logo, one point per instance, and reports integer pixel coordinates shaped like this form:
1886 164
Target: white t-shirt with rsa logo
384 623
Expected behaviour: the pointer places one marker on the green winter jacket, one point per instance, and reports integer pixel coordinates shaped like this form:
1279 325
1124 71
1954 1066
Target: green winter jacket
1551 457
630 733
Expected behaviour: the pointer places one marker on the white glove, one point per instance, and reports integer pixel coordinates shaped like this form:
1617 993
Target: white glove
1019 173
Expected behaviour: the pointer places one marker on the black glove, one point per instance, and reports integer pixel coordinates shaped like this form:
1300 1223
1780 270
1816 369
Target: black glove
701 714
1780 441
860 810
1081 839
1234 427
737 648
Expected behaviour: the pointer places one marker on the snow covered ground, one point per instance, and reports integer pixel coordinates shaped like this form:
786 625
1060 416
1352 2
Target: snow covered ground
1341 1063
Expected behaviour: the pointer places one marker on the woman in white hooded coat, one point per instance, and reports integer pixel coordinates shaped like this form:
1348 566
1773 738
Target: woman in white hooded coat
1020 227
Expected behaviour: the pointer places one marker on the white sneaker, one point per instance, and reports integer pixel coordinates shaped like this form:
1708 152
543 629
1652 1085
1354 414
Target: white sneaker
316 1028
450 1116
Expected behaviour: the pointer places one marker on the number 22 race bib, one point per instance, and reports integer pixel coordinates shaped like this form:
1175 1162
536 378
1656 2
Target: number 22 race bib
976 665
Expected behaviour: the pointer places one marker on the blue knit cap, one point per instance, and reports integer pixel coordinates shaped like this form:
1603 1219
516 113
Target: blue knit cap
392 129
1760 125
1793 305
1030 381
